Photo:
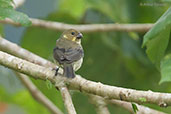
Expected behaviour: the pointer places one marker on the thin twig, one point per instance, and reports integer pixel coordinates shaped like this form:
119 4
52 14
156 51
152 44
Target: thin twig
99 103
38 95
79 83
128 106
85 27
67 100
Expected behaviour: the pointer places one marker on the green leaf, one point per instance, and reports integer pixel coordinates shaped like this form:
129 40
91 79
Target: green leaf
135 108
166 69
157 46
15 16
49 84
156 40
162 24
133 35
142 99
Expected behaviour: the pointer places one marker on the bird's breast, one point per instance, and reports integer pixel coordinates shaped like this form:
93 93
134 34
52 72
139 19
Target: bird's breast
77 64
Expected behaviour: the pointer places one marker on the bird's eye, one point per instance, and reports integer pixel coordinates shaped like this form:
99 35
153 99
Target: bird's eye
72 33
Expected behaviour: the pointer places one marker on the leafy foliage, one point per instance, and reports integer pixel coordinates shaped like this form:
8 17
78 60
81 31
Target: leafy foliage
157 40
135 108
161 25
143 99
166 69
7 11
49 84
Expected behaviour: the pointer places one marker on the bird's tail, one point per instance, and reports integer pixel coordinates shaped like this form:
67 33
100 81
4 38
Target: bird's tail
68 71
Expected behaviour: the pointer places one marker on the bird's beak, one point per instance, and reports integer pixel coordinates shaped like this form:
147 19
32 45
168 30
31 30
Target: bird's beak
79 36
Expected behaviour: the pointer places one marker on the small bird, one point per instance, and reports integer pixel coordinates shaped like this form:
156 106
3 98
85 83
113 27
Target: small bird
68 52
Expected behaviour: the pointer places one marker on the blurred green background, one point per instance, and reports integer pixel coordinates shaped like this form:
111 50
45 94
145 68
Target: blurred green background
114 58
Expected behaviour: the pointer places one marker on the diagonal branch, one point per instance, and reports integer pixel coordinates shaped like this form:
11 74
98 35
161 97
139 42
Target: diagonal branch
78 83
67 100
99 103
85 27
38 95
16 50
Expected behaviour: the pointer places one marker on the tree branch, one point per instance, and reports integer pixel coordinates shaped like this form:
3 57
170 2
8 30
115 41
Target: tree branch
38 95
67 100
16 50
78 83
128 106
85 27
99 103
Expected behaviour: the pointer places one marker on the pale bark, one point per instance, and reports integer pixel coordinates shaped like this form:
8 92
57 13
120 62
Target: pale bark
135 27
67 100
79 83
99 103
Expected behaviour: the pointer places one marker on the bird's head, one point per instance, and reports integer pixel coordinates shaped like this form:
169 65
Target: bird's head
72 35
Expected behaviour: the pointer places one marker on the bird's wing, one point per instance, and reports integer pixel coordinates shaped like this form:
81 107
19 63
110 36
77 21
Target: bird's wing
58 54
68 56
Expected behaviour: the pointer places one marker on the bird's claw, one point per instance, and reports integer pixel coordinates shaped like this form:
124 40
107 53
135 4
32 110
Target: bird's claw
56 70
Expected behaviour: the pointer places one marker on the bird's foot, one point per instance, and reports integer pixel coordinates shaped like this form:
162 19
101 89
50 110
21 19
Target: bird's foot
56 70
